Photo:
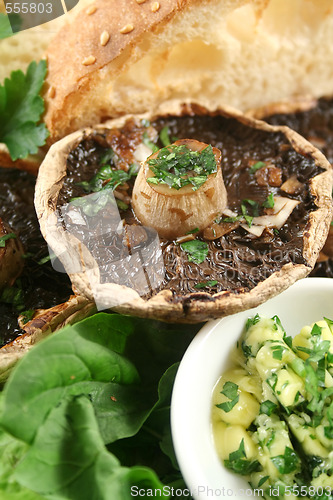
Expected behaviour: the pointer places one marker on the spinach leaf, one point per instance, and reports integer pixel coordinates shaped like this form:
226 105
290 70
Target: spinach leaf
68 457
77 360
11 452
120 396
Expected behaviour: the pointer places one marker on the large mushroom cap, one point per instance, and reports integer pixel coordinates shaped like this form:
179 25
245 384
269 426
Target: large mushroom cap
44 322
168 290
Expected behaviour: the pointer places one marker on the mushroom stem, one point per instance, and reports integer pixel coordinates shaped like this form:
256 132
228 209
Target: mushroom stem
194 203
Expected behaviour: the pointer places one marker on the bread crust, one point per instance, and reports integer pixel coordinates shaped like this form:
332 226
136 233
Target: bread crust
247 53
71 86
194 307
29 164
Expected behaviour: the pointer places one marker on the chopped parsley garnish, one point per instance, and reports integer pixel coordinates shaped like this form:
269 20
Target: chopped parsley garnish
107 177
252 321
278 324
329 322
27 315
21 108
122 205
268 407
206 284
164 136
328 430
149 143
272 380
231 219
237 462
230 390
246 349
269 202
251 205
256 166
193 231
179 166
107 157
44 260
14 295
286 463
6 237
316 330
262 481
277 351
196 250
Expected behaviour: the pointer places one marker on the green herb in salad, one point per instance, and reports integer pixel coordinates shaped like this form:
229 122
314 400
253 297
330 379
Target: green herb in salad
238 463
179 166
230 390
291 435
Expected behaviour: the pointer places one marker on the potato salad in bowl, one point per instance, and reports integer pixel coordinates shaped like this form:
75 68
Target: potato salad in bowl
252 404
272 412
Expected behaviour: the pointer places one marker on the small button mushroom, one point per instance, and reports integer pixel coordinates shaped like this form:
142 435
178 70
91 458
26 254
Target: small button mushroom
180 187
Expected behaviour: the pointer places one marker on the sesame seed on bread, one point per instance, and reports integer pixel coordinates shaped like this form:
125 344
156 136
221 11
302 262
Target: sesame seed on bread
120 56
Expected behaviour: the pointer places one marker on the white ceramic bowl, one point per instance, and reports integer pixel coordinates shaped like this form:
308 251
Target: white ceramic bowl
207 357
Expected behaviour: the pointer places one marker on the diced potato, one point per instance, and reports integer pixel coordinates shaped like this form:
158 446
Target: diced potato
306 436
243 412
287 386
260 333
324 481
228 439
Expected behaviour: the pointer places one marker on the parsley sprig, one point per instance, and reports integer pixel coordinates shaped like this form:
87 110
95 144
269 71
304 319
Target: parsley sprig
21 107
179 166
